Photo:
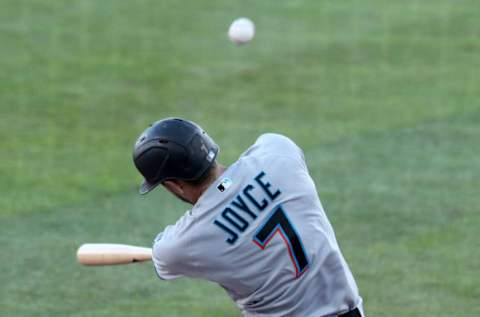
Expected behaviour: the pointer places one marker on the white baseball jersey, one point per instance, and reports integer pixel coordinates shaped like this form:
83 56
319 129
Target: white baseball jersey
261 233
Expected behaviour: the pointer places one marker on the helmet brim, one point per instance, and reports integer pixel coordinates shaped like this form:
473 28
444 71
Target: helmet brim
147 187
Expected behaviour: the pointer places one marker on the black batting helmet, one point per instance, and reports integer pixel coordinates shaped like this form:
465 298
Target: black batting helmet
173 148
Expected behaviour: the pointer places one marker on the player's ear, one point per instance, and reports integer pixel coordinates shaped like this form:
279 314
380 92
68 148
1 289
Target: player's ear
174 186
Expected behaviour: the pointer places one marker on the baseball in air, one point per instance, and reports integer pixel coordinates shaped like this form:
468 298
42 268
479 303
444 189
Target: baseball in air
241 31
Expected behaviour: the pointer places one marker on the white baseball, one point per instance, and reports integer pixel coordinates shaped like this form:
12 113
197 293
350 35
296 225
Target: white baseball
241 31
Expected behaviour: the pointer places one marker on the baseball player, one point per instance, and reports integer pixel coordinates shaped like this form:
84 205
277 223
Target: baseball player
256 228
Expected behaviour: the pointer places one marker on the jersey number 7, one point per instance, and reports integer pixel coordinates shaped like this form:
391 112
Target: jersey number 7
279 222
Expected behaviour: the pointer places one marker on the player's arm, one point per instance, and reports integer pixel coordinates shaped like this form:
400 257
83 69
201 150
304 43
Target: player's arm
164 256
171 252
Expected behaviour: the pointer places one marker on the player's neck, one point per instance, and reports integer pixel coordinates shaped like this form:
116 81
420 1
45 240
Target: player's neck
217 172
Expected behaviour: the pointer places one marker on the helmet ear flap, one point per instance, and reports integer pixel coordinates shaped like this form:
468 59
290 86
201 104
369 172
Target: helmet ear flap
151 162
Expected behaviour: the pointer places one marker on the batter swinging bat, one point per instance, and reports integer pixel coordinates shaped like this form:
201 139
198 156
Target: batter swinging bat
111 254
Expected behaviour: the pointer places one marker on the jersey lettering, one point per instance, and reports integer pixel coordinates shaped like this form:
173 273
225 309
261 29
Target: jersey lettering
237 215
266 186
232 235
239 223
246 192
241 205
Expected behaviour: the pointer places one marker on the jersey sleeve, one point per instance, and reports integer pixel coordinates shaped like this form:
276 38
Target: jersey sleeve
164 257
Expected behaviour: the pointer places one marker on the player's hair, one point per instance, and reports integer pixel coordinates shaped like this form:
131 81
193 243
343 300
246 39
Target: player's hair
205 177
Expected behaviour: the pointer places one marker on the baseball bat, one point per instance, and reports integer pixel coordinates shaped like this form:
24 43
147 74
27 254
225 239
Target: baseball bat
112 254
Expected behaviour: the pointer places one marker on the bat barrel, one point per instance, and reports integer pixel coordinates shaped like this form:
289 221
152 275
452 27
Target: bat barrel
112 254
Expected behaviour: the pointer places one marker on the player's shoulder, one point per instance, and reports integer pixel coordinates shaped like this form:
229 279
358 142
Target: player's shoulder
271 137
275 144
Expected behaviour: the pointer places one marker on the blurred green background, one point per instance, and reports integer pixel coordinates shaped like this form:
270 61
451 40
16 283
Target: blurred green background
383 96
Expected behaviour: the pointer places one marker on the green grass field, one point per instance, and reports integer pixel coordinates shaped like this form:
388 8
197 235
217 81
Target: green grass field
384 97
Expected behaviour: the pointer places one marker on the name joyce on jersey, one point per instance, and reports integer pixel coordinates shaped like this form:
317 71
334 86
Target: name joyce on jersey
236 217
